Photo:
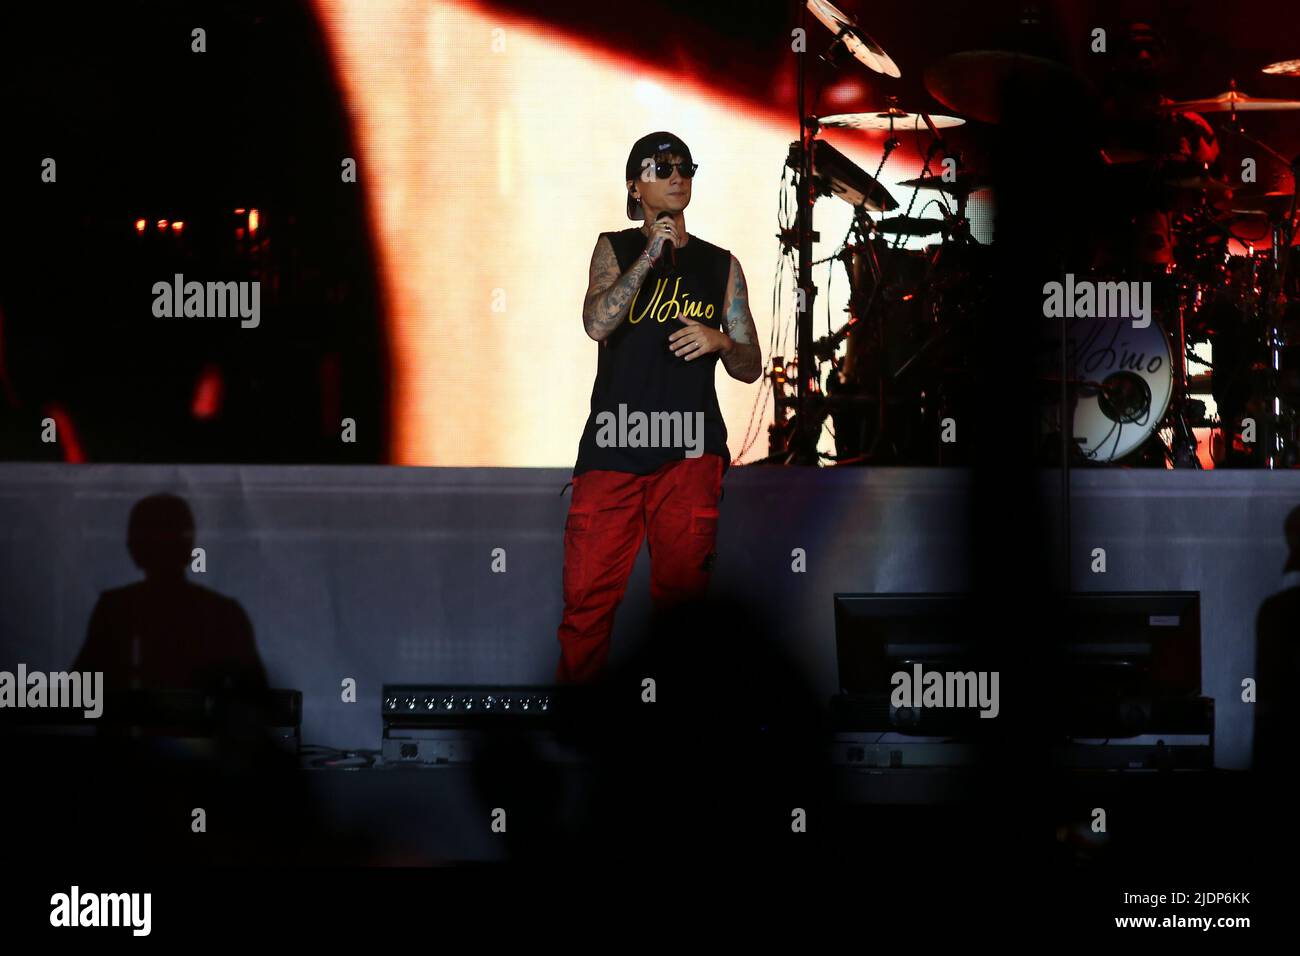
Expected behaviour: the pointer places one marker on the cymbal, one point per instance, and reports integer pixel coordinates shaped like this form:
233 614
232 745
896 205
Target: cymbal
1232 101
864 49
890 118
964 184
975 82
1177 171
1283 68
910 226
1270 203
1195 180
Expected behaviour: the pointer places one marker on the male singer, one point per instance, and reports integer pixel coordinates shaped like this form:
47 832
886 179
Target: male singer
664 307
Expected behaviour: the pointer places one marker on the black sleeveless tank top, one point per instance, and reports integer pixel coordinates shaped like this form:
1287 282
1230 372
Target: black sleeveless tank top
649 407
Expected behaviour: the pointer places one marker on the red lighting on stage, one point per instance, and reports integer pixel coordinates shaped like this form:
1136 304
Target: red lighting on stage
162 224
240 211
207 393
140 225
253 220
67 435
178 226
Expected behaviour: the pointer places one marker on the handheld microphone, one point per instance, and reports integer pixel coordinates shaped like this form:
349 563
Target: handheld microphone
672 249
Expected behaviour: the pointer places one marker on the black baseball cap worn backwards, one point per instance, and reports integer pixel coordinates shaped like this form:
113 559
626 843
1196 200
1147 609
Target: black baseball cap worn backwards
650 146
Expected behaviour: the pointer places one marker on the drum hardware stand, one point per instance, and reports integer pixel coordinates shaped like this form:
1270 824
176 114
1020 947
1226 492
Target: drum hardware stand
936 144
873 313
1270 307
811 403
803 442
1182 450
1283 235
956 230
1282 231
861 250
960 234
812 406
859 256
960 224
778 452
883 376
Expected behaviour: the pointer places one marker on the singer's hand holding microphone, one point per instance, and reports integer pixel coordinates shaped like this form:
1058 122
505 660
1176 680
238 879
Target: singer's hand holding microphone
663 234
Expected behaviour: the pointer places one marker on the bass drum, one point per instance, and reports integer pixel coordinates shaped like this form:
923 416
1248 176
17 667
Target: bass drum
1124 380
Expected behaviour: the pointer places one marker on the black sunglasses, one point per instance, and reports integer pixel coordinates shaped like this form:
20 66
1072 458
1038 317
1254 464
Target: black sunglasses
664 170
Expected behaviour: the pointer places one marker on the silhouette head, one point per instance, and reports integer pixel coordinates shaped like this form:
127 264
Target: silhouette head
160 536
1291 528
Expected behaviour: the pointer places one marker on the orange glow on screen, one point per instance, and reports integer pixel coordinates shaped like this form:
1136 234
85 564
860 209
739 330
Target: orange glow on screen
491 152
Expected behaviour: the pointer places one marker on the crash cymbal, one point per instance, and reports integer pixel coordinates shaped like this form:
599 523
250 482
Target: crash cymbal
890 118
864 49
963 184
976 82
1231 101
910 226
1283 68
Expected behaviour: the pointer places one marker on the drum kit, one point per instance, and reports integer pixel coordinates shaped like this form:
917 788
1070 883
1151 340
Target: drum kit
1213 236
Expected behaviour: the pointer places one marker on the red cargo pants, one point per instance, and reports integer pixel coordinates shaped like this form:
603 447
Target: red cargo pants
675 508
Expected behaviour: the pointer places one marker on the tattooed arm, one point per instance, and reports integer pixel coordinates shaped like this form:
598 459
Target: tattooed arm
743 359
610 294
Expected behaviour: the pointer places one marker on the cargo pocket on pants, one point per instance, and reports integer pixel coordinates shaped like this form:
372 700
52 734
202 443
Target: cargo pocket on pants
576 527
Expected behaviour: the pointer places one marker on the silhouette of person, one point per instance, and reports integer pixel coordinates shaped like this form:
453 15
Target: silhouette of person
165 632
1277 661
